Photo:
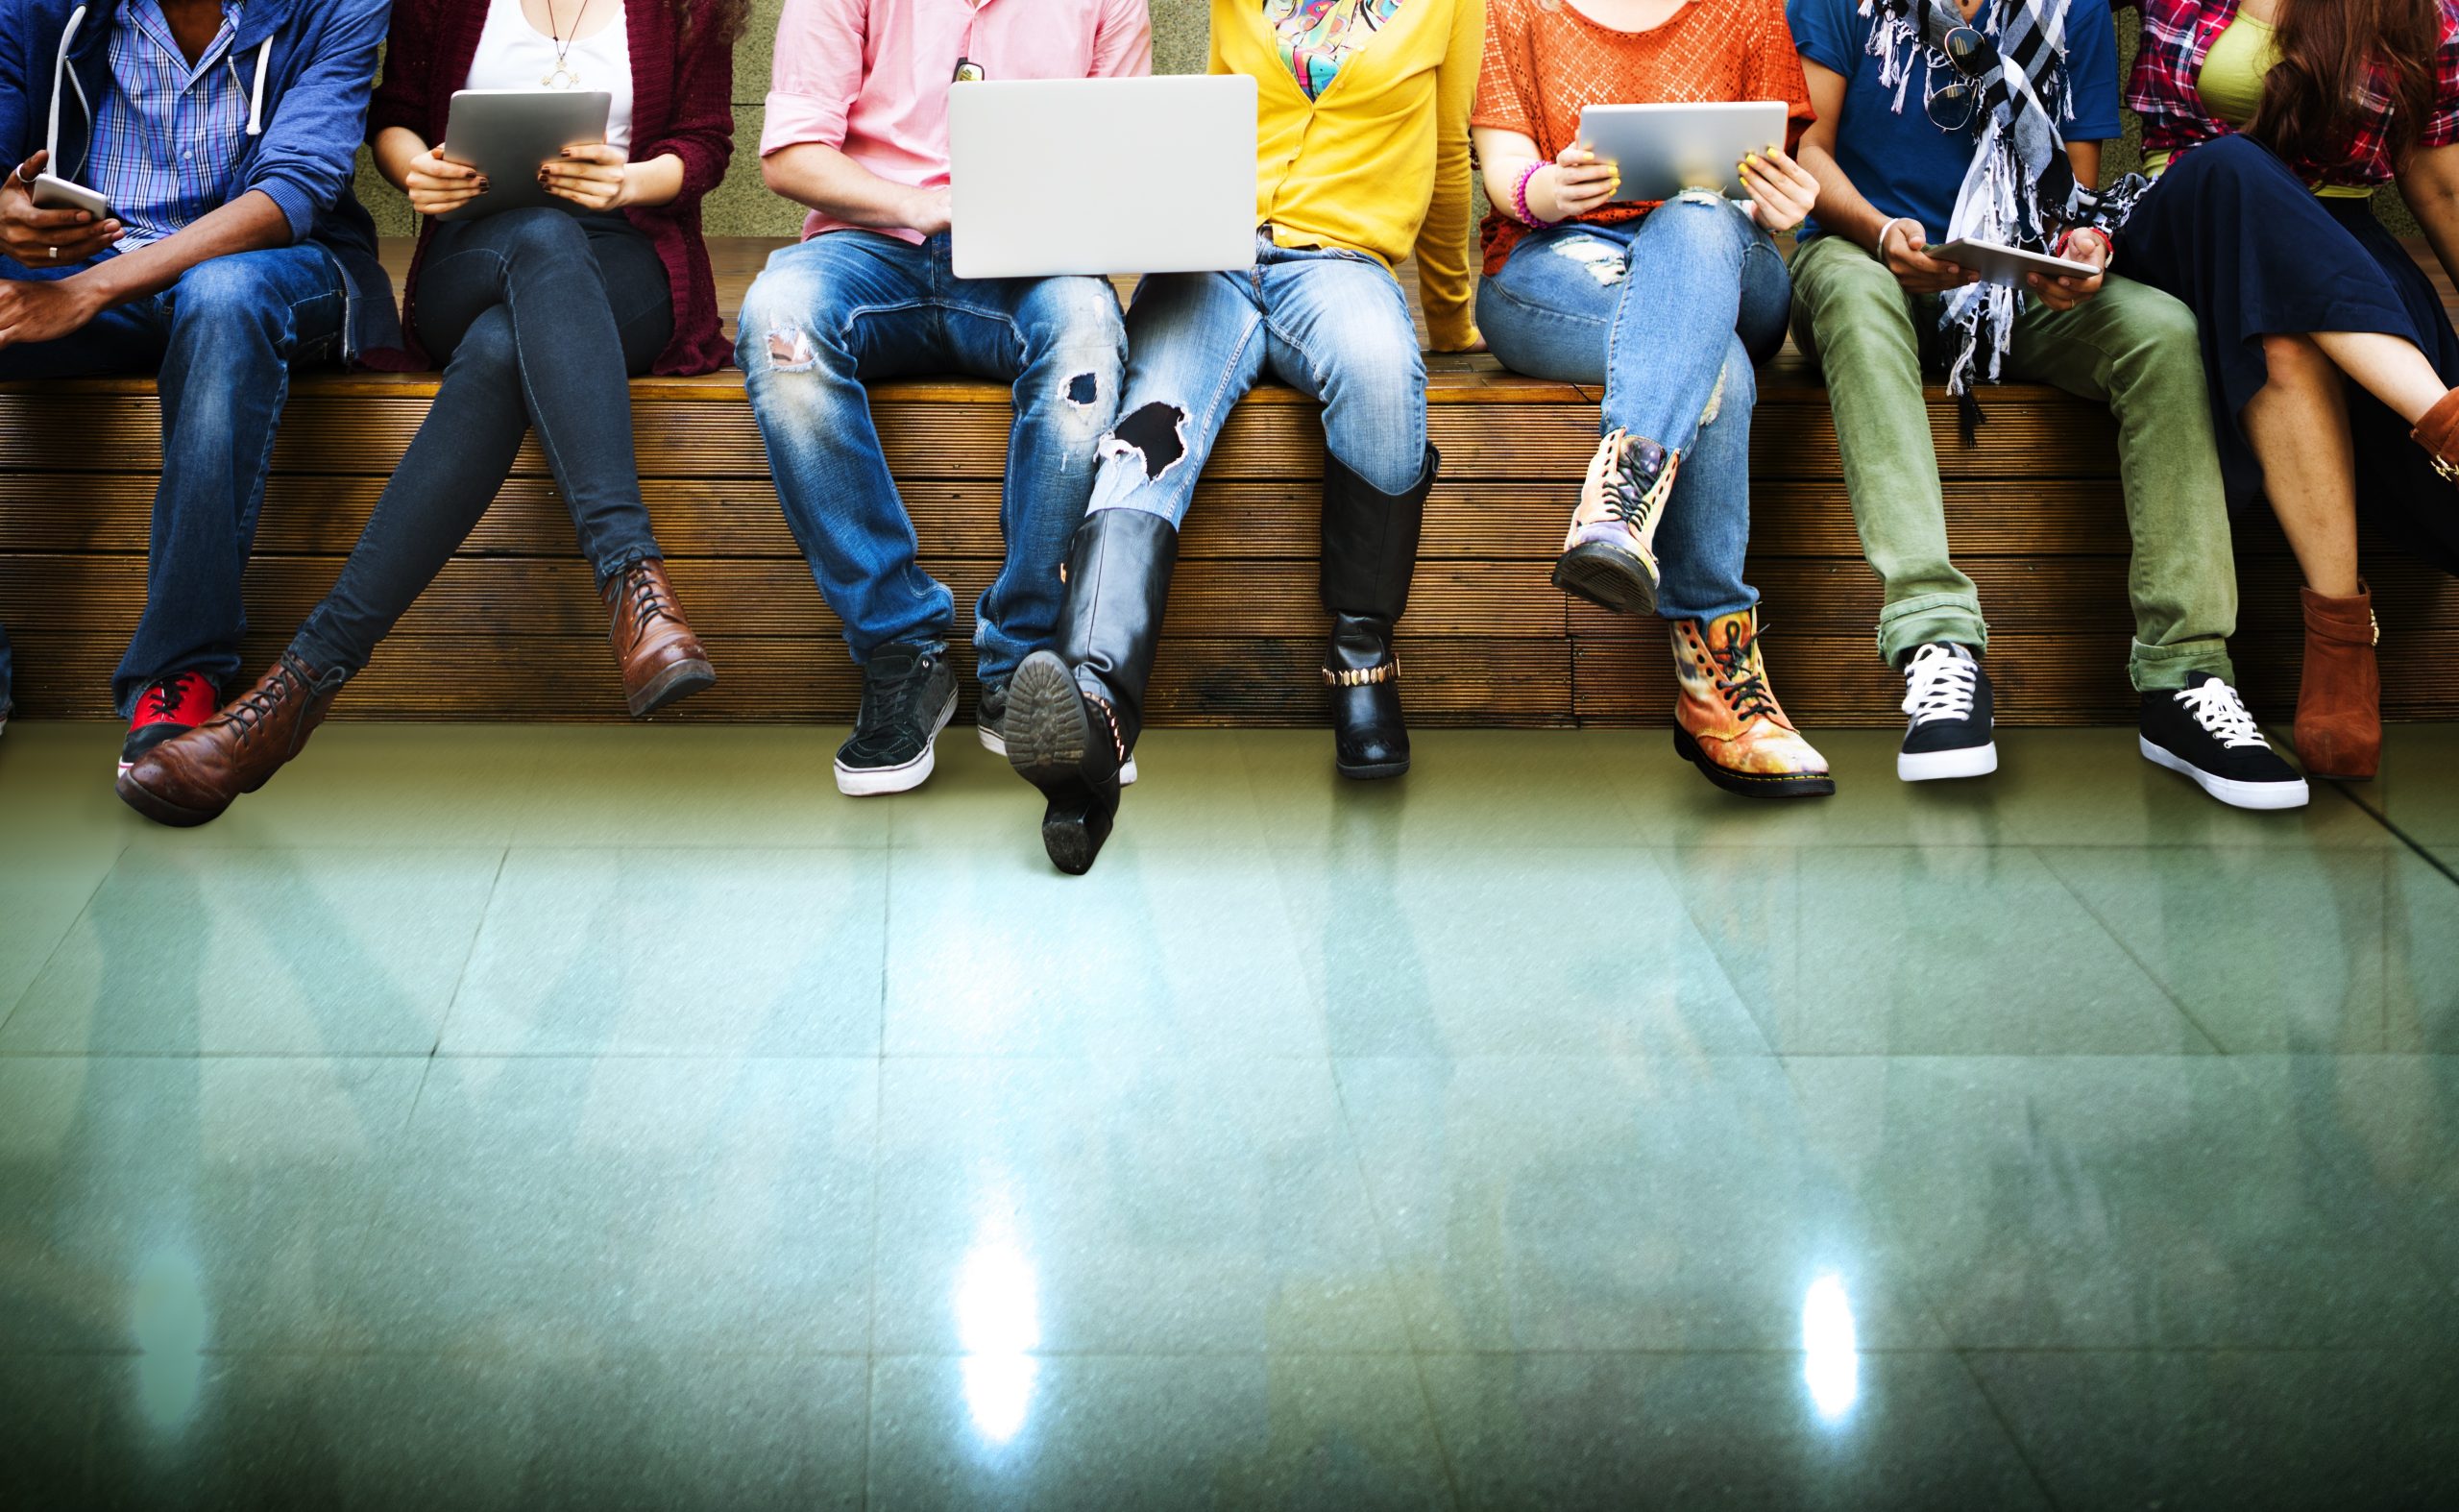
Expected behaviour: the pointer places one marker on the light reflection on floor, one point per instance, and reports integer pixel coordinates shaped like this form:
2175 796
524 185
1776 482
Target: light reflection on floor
596 1117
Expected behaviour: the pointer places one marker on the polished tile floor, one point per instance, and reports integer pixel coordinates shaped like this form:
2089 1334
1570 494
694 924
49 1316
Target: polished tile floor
522 1118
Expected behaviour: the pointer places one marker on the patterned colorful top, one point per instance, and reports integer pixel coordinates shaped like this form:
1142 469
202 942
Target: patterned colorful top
2176 39
1546 60
1318 36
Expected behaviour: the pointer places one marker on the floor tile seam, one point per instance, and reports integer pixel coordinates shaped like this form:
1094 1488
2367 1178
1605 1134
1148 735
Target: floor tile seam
2423 852
1672 875
2142 967
625 1352
469 951
53 954
1665 858
2007 1430
1566 1057
1384 1249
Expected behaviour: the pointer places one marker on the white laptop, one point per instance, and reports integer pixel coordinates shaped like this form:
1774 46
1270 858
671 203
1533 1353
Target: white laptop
1102 176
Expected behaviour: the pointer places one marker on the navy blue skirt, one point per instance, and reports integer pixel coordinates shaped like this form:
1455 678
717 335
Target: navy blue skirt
2232 232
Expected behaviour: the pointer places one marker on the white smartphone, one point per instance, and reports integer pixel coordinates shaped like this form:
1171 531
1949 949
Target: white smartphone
2001 264
52 192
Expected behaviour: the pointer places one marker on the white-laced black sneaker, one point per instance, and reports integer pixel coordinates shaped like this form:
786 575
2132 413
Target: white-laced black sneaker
2203 731
1952 732
908 696
990 723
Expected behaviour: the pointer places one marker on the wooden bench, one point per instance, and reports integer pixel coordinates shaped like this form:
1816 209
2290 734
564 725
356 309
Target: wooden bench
512 630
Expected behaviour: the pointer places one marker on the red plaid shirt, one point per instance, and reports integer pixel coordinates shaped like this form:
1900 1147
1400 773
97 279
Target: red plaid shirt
2176 36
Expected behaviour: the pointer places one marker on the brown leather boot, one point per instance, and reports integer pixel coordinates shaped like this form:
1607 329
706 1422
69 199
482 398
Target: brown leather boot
2339 695
2438 432
191 778
661 658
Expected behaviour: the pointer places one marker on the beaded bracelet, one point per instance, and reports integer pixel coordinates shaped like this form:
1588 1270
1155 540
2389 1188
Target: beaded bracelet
1519 197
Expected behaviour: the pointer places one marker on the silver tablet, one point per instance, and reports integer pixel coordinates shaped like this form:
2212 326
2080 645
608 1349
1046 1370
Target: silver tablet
1665 149
508 134
2000 264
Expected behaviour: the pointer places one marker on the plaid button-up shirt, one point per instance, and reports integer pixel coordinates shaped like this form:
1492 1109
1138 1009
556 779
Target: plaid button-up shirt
2177 36
168 133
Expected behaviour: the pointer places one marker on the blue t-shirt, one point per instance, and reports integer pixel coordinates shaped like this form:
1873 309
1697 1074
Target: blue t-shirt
1901 162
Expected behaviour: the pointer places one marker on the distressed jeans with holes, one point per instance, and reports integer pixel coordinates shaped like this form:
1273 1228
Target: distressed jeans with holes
1670 313
2132 347
1333 325
835 313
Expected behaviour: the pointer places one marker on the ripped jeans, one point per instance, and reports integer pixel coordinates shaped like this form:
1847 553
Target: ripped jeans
1670 313
830 315
1333 325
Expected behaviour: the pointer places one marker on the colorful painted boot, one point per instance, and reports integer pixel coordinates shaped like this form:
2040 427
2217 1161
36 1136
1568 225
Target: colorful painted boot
1727 722
1609 558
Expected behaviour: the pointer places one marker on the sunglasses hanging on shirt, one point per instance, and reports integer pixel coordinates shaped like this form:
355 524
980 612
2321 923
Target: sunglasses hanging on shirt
970 72
1954 106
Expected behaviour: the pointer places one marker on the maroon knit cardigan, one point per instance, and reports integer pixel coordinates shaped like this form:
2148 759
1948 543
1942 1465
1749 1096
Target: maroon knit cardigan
682 103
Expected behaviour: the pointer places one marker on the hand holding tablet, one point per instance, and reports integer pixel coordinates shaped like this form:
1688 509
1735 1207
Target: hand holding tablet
502 140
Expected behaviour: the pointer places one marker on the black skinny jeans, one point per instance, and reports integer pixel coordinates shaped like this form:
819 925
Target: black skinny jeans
541 317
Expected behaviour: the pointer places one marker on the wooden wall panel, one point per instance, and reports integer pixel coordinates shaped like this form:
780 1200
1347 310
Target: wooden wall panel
513 629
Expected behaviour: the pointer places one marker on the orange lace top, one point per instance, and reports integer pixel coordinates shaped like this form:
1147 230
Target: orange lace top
1545 61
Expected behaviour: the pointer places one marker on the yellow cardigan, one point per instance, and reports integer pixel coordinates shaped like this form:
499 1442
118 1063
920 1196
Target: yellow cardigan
1380 164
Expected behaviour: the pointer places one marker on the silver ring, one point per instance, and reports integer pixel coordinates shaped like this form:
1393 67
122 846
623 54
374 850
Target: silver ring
53 252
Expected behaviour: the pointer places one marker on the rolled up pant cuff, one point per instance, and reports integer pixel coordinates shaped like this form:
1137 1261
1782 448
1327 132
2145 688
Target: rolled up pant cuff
2157 668
1931 617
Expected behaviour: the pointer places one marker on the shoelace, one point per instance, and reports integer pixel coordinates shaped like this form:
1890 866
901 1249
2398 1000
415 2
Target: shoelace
251 712
1939 685
888 698
2215 707
163 699
640 592
1624 499
1743 680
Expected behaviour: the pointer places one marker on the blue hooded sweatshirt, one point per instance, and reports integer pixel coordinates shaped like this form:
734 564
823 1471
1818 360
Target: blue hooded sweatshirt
315 85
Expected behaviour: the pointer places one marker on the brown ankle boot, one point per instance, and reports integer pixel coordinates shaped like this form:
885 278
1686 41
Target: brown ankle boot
191 778
661 658
2339 698
2438 432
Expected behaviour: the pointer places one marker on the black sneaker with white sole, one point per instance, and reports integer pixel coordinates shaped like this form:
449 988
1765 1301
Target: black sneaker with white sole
908 696
1946 691
990 723
2203 731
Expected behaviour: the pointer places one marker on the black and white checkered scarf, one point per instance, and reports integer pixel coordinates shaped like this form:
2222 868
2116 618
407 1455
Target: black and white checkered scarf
2020 190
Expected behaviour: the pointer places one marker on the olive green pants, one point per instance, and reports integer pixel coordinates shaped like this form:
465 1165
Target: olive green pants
2130 347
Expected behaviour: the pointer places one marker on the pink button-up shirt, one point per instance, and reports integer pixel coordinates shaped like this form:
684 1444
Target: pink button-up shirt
871 78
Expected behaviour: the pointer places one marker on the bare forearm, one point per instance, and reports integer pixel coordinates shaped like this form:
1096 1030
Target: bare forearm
394 149
840 188
250 223
1841 210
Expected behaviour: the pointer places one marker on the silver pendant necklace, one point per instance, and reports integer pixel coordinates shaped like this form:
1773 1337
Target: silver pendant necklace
561 76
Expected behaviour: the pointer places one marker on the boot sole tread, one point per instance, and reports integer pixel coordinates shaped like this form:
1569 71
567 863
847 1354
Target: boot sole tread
673 684
1605 578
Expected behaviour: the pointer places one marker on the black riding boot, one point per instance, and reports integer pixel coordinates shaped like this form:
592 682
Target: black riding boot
1074 710
1370 552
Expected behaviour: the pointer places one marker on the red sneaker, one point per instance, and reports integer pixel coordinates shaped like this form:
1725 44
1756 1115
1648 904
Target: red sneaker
168 706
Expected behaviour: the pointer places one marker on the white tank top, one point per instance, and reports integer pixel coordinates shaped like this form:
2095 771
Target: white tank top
515 55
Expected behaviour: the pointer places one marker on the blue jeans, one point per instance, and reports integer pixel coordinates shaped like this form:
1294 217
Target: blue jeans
833 313
540 317
1332 323
1670 313
223 340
